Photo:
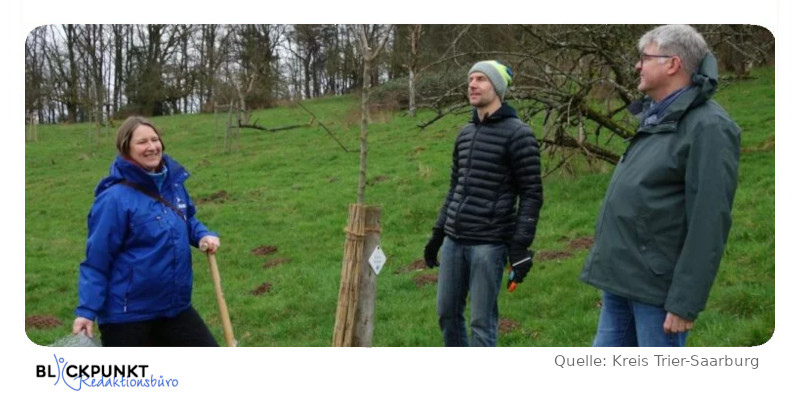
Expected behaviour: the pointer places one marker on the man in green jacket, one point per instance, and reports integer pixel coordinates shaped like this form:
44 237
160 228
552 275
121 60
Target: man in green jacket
665 218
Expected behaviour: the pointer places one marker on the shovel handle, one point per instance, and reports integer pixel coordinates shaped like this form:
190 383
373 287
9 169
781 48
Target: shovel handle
223 308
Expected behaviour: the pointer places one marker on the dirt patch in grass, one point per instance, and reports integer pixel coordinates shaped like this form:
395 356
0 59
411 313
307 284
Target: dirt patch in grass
42 322
261 289
275 262
414 154
427 279
414 266
507 325
264 250
547 255
576 244
218 197
377 179
581 243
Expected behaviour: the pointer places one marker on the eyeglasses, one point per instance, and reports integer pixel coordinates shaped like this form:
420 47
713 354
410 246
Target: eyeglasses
644 56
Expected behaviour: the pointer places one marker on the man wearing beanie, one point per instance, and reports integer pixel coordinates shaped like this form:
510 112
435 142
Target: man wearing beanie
490 212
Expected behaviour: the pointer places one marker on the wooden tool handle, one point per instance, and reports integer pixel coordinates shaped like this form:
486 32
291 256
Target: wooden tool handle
223 308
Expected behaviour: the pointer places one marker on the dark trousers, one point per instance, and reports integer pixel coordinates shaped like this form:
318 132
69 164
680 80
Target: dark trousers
187 329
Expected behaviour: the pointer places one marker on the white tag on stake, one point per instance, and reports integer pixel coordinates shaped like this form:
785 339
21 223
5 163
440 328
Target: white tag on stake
377 259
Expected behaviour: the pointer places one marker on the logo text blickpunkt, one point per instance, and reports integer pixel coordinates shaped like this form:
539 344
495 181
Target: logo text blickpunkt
76 376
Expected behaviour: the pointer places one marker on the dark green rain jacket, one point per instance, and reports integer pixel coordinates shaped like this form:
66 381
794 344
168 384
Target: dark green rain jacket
665 218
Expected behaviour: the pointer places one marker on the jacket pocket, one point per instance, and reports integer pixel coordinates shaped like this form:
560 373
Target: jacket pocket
147 290
146 228
649 250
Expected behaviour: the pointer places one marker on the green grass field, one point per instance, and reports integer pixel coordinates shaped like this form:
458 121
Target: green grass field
291 189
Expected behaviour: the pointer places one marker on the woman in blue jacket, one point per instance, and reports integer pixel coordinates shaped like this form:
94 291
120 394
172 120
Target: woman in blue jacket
137 276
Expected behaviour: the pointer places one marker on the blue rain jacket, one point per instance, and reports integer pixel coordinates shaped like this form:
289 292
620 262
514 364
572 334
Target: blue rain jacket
138 262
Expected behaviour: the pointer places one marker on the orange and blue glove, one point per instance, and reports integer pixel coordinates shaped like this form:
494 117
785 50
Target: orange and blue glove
520 262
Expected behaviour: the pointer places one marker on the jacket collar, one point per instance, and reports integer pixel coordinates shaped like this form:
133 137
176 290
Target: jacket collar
505 111
123 169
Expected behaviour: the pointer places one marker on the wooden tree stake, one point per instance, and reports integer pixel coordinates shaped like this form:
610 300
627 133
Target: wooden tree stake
355 310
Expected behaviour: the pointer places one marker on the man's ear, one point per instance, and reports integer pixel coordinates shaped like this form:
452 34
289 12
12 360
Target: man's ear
675 66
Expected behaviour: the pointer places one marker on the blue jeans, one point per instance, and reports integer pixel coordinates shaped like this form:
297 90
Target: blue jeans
628 323
477 270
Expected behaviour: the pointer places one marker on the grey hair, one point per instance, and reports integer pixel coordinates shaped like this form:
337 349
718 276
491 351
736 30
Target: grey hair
680 40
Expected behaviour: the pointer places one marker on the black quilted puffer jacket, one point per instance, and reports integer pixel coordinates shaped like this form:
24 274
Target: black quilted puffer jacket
495 184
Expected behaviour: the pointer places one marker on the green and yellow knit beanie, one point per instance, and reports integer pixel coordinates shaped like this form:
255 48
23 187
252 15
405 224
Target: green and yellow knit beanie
498 74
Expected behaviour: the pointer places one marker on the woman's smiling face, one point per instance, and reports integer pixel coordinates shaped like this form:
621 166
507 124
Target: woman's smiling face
145 148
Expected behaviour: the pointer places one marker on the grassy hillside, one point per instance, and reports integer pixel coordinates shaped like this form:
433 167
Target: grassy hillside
291 190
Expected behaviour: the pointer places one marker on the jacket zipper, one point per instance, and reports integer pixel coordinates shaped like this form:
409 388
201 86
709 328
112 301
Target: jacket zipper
507 160
127 292
469 170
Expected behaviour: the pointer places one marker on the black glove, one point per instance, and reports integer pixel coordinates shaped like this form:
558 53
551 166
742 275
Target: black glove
521 260
432 248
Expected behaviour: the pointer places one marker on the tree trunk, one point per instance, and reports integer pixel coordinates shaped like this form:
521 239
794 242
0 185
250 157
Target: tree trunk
362 170
412 105
118 46
71 102
416 31
369 55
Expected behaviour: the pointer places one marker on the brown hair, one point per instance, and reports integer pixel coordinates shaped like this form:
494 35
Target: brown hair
125 133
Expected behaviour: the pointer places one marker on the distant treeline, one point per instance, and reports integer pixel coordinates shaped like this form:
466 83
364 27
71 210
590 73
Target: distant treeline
82 73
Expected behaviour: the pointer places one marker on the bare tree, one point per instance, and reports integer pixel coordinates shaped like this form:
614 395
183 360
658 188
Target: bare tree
93 43
184 74
65 65
578 77
357 291
740 47
212 52
154 46
369 51
35 79
119 39
415 31
252 62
